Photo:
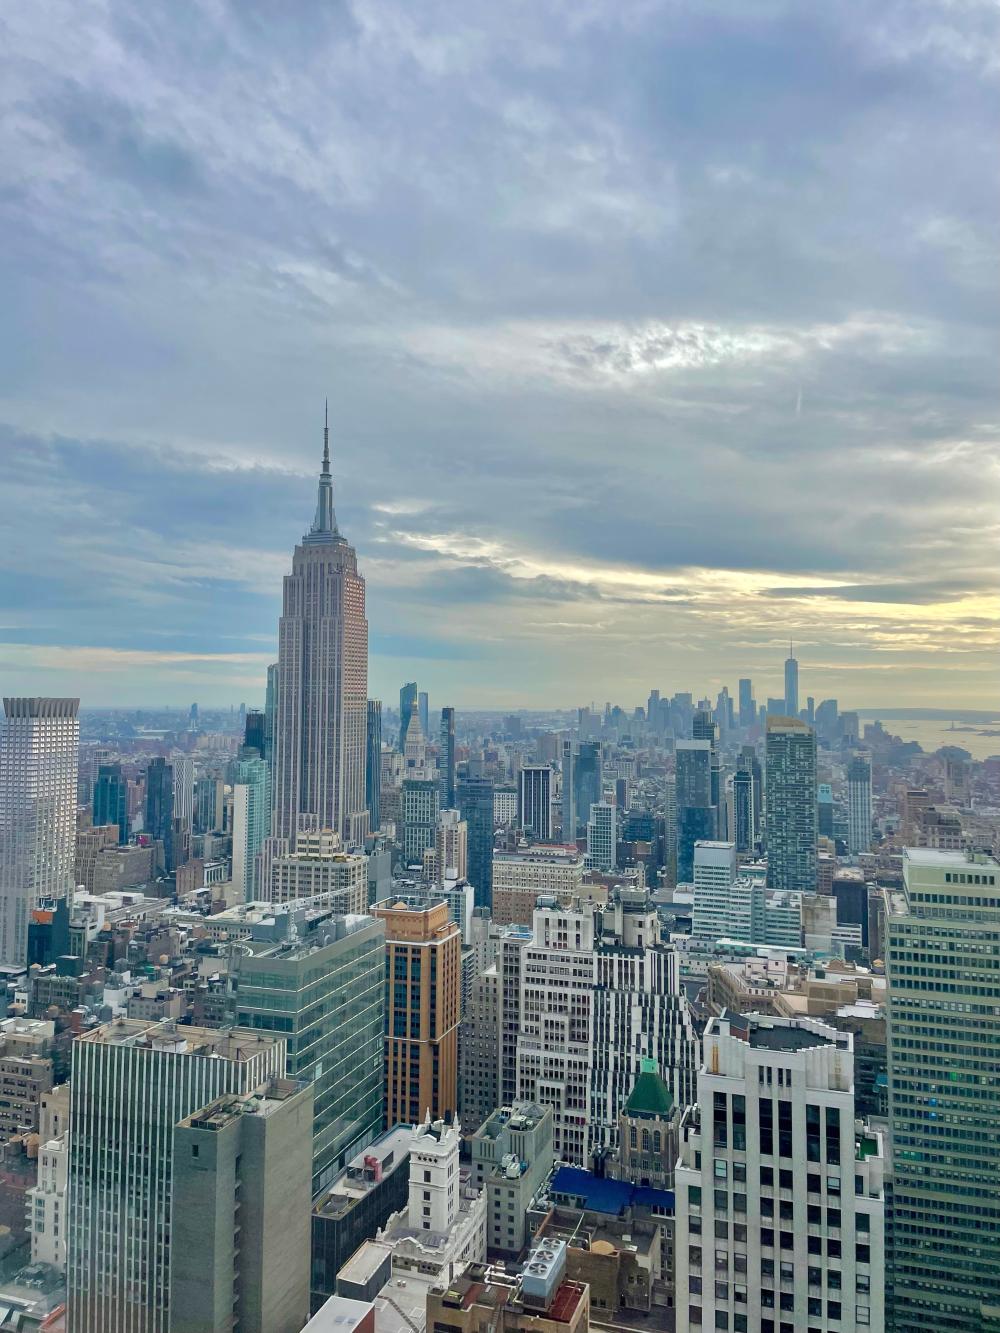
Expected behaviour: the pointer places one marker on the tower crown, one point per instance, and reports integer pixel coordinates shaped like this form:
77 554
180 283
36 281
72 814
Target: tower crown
324 527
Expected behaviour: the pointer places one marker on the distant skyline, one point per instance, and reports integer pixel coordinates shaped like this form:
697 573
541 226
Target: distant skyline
654 335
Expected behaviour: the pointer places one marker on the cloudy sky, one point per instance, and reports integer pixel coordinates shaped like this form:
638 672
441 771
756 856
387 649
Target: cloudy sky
655 333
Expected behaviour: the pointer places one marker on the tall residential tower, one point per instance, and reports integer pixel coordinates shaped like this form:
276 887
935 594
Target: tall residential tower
39 757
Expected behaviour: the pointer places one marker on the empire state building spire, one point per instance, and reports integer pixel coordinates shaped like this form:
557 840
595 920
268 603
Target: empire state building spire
324 528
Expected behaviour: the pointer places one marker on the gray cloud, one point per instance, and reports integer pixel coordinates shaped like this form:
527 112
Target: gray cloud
650 315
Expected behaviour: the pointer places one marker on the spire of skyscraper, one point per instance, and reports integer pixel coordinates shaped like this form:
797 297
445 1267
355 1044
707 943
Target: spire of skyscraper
324 526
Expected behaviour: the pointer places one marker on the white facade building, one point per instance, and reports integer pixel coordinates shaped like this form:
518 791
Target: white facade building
602 836
319 869
504 806
779 1190
46 1212
719 910
583 997
39 758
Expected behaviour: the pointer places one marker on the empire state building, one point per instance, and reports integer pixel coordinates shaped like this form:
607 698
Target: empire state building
321 703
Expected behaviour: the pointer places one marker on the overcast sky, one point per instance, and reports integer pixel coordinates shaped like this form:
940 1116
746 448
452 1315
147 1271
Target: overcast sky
655 334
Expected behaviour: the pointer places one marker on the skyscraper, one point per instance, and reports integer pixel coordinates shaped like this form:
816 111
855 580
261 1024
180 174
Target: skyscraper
321 713
407 698
534 801
587 778
424 707
446 758
270 707
322 976
859 804
942 955
254 732
791 685
423 987
696 813
39 757
132 1082
475 801
373 765
251 820
583 997
748 709
745 832
779 1191
568 792
159 820
183 770
111 799
602 836
790 797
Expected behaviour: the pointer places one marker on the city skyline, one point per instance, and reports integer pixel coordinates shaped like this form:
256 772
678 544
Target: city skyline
624 399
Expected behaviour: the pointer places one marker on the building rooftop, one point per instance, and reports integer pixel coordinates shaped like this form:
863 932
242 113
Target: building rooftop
491 1288
226 1043
785 1038
361 1175
950 860
582 1189
523 1116
263 1101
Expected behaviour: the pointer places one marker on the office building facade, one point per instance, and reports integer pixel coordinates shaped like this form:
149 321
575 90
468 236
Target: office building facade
321 977
111 799
423 987
942 955
534 802
131 1083
583 996
240 1233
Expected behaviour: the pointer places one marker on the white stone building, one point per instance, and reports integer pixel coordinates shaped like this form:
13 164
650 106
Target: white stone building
779 1190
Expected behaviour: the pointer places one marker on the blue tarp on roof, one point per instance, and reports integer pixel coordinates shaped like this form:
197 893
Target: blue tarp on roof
582 1189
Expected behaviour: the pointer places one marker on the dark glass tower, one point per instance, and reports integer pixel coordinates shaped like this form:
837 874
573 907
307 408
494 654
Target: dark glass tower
373 765
111 799
407 695
696 811
160 807
255 732
587 780
475 801
446 758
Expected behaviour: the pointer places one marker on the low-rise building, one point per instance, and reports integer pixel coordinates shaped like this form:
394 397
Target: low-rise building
359 1202
46 1201
541 1299
442 1228
512 1160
